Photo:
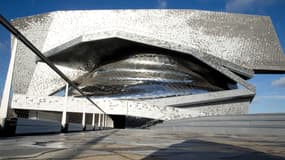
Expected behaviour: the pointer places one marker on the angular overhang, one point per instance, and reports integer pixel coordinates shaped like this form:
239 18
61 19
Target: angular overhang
110 52
87 52
244 44
246 40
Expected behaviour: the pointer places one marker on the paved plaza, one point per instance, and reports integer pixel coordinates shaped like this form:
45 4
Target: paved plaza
134 144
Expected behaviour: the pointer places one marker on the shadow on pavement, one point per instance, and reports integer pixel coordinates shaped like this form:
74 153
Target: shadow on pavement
204 150
77 150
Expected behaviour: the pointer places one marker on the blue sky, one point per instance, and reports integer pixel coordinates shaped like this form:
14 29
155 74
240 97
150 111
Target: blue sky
270 88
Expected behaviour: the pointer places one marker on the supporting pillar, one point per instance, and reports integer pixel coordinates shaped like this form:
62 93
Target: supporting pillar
105 121
102 121
99 121
64 126
93 121
84 121
6 92
106 117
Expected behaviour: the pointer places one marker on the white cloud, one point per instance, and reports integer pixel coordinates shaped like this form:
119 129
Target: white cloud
162 4
246 5
271 97
262 99
279 82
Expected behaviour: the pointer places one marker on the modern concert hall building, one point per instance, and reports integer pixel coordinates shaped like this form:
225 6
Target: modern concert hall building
140 65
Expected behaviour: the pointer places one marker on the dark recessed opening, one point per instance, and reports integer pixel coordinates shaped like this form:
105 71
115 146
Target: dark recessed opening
119 121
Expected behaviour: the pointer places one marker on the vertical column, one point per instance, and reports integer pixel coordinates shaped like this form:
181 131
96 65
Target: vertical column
84 121
99 121
103 120
106 118
93 121
6 92
63 117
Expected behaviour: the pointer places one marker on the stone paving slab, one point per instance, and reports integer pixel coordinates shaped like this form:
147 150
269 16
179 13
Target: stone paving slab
145 144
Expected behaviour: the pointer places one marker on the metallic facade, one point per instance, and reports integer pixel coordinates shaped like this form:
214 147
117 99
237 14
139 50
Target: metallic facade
149 75
184 59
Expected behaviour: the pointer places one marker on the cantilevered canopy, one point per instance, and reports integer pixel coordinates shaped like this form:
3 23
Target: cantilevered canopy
239 42
246 40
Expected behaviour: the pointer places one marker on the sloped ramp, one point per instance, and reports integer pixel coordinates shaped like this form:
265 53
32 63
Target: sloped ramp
250 124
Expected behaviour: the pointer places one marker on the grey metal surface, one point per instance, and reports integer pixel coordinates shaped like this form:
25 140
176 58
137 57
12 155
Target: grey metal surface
45 81
25 60
132 108
228 47
29 126
244 117
199 100
251 124
246 40
151 75
89 127
43 58
215 63
118 42
72 127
